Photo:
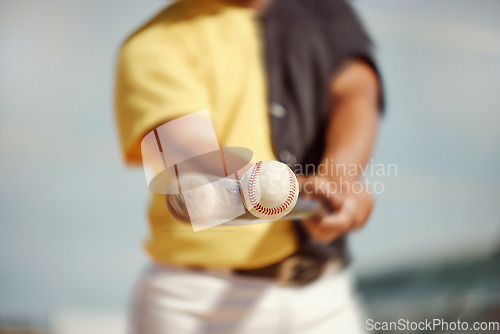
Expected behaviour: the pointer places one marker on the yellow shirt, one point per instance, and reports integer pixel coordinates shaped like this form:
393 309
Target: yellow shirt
180 63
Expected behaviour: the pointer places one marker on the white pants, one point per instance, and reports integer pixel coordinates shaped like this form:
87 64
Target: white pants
171 300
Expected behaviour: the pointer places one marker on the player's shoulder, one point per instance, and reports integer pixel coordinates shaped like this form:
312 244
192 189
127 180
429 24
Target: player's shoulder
156 30
331 9
177 26
314 8
170 28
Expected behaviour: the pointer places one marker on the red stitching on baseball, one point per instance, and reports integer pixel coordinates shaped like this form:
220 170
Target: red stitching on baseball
253 199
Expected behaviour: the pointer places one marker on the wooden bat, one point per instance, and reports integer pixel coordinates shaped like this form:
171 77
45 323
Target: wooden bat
207 196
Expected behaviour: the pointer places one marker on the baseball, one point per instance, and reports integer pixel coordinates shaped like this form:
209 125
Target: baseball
270 190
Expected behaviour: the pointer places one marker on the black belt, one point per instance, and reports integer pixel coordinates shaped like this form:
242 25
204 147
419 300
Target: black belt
306 265
296 270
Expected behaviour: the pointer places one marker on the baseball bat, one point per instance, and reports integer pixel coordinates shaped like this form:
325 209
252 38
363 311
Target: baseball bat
207 192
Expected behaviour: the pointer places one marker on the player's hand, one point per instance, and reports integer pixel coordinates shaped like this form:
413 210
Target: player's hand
343 210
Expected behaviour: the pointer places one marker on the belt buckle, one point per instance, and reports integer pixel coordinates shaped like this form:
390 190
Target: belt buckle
299 270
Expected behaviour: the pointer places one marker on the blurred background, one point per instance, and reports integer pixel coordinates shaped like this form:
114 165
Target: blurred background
72 217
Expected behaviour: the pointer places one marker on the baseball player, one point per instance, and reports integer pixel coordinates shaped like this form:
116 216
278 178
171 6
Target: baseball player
307 94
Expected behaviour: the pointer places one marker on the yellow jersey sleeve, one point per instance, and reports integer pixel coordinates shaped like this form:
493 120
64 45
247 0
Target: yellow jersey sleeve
158 79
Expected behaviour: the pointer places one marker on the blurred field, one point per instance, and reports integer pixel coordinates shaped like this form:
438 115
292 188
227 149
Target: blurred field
468 291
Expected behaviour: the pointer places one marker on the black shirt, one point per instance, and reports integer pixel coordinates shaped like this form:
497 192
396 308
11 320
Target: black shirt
306 44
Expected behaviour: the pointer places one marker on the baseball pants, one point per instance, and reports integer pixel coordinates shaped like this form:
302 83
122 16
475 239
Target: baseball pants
173 300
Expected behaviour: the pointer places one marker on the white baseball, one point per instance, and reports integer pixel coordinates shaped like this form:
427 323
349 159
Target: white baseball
270 190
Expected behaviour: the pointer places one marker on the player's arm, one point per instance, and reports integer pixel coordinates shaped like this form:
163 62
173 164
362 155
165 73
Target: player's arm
350 137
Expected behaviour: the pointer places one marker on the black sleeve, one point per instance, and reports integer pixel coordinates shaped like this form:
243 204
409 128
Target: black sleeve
306 43
344 35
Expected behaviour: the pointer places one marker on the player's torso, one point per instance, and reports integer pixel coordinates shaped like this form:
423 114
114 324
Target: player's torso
227 55
233 73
